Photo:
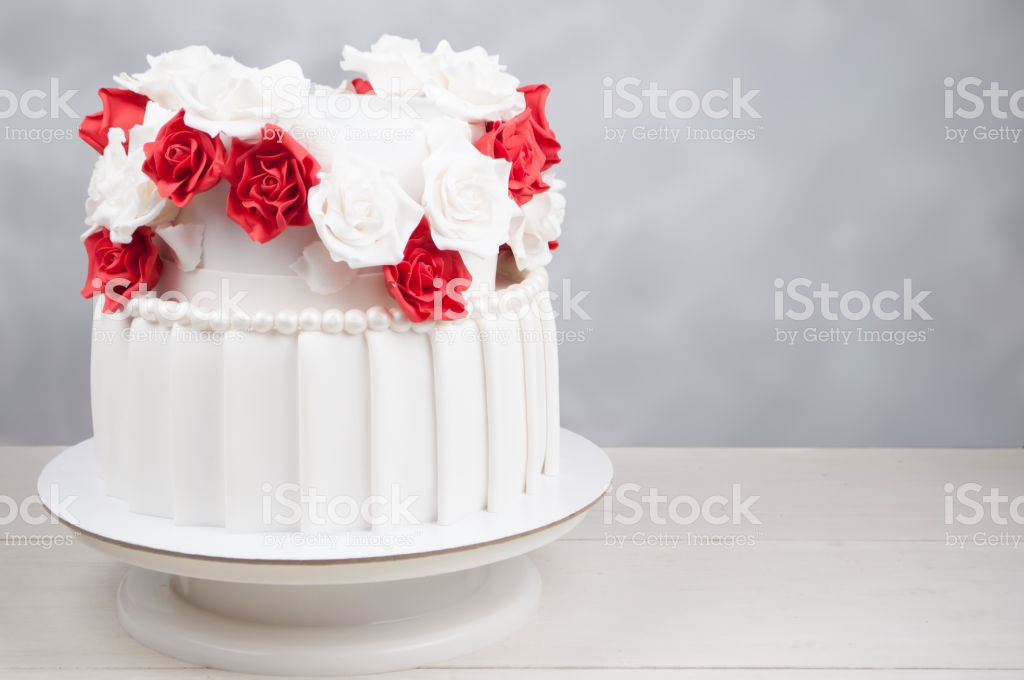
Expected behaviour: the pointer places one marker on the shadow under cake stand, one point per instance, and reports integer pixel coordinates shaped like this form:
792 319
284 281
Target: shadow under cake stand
326 604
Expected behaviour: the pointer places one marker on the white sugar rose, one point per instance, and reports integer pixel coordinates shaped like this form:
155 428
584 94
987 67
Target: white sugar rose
121 197
220 95
362 214
541 223
394 66
470 85
465 193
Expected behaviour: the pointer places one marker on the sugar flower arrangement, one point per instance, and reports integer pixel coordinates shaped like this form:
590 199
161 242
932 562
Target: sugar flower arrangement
196 119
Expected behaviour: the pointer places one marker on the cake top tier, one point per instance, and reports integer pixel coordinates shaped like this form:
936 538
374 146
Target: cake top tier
430 164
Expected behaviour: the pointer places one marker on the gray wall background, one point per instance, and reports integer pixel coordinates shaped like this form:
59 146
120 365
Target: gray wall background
849 182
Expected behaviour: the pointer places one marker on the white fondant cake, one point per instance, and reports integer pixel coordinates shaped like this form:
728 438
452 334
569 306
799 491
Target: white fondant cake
323 309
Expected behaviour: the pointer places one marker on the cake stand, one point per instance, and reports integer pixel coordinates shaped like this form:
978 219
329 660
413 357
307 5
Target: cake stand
326 604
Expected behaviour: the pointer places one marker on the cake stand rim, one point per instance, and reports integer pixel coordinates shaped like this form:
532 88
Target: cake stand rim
116 547
324 562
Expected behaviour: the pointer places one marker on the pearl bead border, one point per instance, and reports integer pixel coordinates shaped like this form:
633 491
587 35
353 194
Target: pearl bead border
330 321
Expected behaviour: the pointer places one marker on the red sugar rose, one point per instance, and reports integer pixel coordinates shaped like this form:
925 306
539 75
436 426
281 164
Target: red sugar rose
134 263
412 281
269 182
182 161
527 142
121 109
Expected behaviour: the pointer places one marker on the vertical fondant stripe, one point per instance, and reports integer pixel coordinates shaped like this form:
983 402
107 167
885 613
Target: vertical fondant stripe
536 398
102 368
551 382
261 432
196 413
334 427
116 386
402 424
461 404
506 411
148 427
97 368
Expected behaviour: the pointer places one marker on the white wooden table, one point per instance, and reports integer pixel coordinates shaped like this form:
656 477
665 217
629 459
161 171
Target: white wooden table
849 576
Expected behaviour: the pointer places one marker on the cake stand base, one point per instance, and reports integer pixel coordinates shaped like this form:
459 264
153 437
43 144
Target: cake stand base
328 630
268 603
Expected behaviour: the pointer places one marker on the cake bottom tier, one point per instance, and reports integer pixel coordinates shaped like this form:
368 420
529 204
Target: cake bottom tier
315 431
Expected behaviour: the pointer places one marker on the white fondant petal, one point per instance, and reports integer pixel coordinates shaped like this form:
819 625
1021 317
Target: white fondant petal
322 274
185 241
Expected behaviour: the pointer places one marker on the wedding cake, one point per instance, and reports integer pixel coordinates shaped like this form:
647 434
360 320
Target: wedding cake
323 308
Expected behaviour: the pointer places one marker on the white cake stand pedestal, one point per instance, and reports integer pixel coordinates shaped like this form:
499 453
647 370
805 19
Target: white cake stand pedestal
330 604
